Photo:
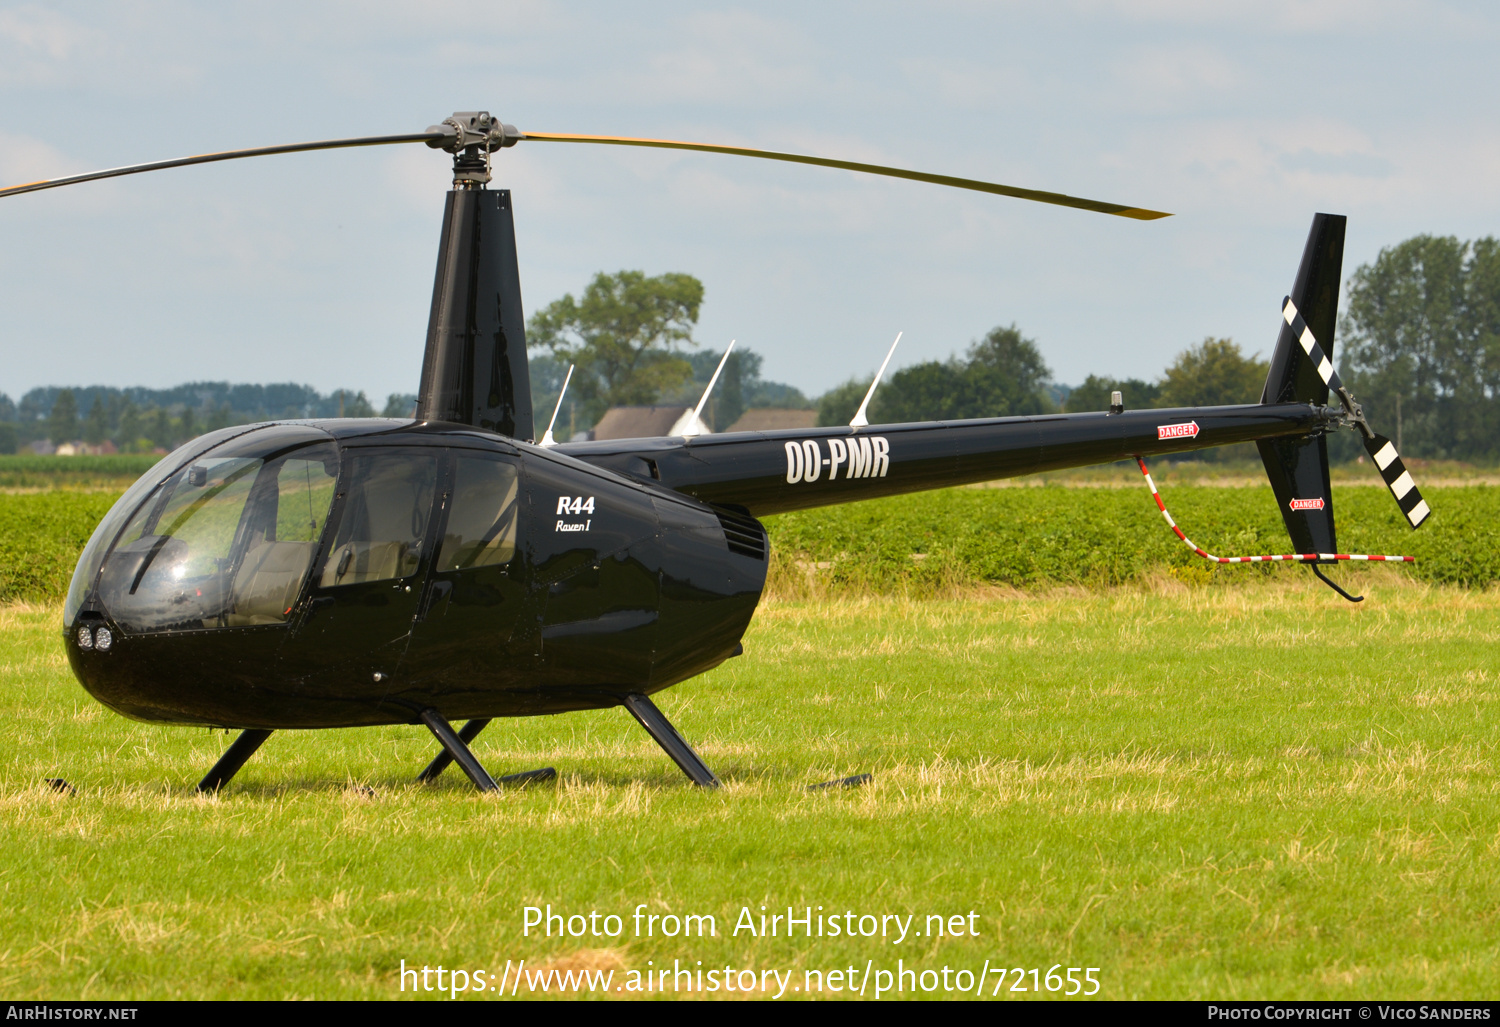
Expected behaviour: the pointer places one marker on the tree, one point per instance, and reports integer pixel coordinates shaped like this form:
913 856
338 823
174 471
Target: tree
623 336
9 440
838 404
1423 345
1213 373
727 402
929 391
740 387
62 423
96 427
399 404
160 430
1017 362
1002 375
132 427
1094 394
355 404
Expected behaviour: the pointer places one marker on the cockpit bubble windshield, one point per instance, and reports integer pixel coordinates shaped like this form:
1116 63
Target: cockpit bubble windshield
228 540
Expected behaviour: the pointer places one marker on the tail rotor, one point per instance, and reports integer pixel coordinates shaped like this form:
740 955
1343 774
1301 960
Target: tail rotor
1302 371
1397 478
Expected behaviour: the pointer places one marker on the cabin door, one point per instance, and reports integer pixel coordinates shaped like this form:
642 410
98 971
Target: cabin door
366 592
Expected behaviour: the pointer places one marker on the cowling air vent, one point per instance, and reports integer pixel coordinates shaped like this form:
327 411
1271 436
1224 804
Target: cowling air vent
742 533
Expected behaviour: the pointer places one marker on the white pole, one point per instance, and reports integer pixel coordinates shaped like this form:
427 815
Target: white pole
695 425
860 420
547 439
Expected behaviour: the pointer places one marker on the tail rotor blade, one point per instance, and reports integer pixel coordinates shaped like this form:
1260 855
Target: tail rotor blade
1381 449
1397 479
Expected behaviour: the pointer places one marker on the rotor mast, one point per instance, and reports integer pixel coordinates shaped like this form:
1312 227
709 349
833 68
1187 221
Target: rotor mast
474 370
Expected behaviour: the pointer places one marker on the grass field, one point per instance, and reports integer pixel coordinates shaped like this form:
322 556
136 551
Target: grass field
1204 792
1205 783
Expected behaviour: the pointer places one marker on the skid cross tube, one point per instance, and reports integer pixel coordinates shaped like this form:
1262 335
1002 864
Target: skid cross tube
661 729
233 759
466 734
457 749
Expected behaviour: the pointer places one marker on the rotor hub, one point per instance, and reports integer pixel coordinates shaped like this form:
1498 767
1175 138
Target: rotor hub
471 136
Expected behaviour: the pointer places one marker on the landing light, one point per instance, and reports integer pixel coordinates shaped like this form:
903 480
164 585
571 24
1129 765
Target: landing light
85 638
103 639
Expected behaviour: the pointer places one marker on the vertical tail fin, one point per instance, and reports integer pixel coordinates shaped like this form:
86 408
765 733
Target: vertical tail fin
1298 468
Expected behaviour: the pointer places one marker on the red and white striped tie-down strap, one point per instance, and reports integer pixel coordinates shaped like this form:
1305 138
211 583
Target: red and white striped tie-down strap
1279 558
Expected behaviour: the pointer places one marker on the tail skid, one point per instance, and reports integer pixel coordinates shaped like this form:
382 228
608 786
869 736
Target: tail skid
1311 559
1277 558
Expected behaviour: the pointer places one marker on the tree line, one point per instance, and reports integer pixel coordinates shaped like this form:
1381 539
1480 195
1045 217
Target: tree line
141 420
1418 343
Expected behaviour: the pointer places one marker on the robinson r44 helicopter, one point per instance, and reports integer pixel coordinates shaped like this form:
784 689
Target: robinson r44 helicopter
340 573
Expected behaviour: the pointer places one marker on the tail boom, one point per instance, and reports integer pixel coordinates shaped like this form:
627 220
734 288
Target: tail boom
775 472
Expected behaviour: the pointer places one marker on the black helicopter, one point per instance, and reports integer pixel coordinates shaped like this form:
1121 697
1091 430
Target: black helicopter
340 573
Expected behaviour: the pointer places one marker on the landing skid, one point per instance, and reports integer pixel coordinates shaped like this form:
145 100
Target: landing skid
233 759
659 728
456 749
467 734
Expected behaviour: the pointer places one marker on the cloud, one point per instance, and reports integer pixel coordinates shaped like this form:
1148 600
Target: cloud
970 85
1245 162
36 44
24 159
1271 16
40 32
732 57
1156 77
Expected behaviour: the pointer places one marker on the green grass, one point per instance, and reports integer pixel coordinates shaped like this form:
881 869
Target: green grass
41 535
1253 792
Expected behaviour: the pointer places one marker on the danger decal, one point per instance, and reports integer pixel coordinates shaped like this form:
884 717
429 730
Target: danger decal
1307 504
1177 431
859 456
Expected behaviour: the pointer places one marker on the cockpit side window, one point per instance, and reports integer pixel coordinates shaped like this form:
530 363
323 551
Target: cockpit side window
384 523
482 520
279 534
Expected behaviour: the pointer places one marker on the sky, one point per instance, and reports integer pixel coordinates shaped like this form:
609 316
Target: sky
1243 119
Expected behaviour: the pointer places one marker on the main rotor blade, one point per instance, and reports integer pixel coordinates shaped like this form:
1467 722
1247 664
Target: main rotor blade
209 158
1060 199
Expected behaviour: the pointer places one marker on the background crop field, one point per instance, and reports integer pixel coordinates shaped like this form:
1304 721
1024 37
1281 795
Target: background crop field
1096 528
1205 783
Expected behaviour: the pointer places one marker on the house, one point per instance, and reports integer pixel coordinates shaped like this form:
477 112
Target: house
772 418
645 422
105 448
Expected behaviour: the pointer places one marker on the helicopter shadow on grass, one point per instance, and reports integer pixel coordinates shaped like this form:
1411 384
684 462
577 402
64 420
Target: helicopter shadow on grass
372 788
